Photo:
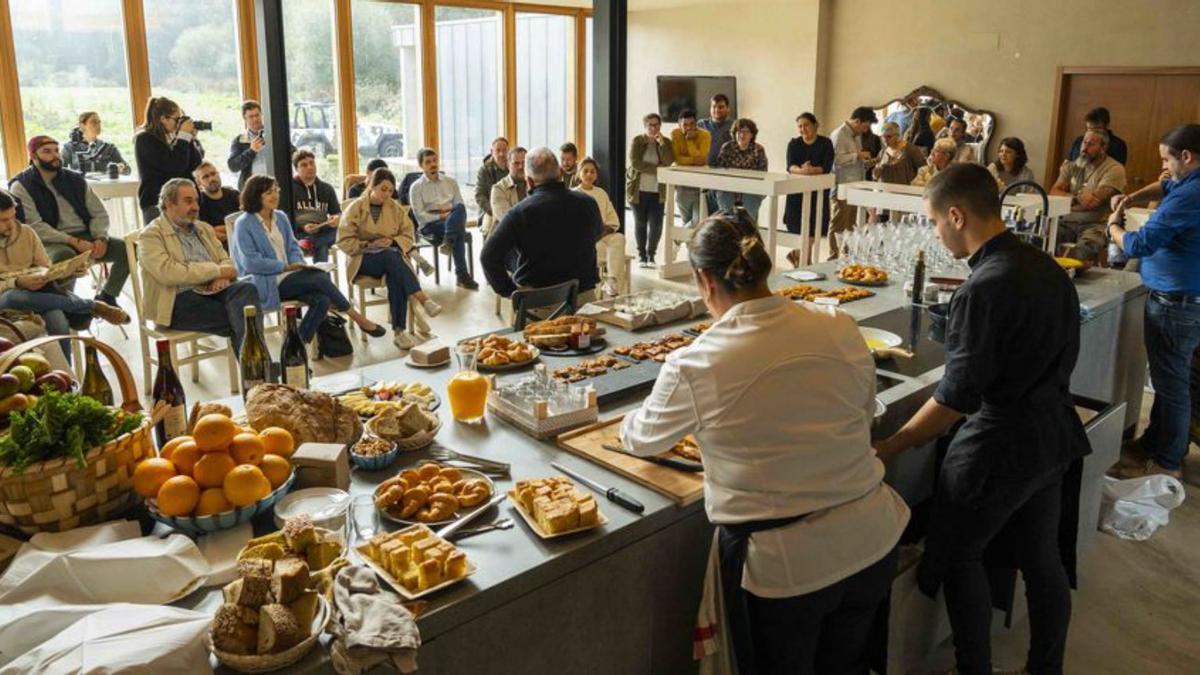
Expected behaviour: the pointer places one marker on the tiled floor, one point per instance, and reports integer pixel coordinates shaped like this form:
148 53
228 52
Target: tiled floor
1137 610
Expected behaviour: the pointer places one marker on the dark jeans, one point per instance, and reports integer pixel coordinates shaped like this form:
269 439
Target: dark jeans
452 230
217 314
1172 336
400 280
827 631
316 290
321 242
116 256
959 534
53 306
647 219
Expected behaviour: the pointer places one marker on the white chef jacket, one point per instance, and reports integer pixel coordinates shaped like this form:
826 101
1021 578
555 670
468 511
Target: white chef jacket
780 397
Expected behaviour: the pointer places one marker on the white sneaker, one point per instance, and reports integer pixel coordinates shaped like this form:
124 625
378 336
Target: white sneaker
422 264
431 308
403 340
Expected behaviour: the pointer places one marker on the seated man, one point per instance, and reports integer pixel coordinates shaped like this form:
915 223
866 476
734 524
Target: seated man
315 208
1090 181
67 215
1098 119
492 171
441 214
188 280
511 189
553 232
569 162
964 152
355 191
216 201
940 157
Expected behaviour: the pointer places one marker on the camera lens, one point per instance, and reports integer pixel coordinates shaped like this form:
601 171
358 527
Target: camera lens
202 125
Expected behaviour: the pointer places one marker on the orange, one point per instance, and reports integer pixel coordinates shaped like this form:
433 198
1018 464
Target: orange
246 484
178 496
212 500
150 474
276 469
185 456
214 432
278 441
247 449
210 470
166 450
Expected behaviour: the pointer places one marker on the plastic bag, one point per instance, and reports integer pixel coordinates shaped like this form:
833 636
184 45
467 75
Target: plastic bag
1135 508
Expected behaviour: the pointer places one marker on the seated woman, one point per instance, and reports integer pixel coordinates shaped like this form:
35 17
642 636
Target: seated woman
86 153
743 152
20 249
264 248
1012 164
610 250
780 397
376 234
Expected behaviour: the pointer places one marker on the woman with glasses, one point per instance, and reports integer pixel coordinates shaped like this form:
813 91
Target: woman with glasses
264 248
165 147
743 152
780 397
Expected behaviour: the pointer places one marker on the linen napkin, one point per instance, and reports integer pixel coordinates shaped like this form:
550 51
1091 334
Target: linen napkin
369 625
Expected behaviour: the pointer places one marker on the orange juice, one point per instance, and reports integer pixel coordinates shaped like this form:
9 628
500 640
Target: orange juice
468 392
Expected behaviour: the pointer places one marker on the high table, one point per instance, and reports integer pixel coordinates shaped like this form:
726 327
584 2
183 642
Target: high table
120 199
909 199
623 599
770 185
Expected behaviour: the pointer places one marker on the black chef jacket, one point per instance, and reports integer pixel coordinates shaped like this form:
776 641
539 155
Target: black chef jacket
1012 336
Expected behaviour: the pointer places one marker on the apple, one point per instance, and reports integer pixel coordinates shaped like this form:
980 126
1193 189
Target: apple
9 385
25 375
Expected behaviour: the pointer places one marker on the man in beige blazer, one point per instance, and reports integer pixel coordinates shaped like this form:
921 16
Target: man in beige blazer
188 280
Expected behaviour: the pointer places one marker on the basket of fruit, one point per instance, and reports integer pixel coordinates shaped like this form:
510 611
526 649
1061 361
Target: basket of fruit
220 476
66 460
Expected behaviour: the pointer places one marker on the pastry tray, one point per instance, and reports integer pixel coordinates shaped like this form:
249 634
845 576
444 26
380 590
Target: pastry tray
601 520
604 310
399 587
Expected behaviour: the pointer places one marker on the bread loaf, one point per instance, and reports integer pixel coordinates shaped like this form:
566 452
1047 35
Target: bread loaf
310 416
231 634
277 629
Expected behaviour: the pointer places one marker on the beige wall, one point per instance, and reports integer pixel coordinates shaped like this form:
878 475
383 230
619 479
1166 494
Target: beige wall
1001 56
772 50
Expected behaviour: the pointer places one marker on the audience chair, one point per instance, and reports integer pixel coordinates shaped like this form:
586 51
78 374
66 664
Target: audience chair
563 297
148 331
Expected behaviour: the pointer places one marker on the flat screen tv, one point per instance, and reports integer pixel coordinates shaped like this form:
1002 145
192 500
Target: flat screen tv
677 93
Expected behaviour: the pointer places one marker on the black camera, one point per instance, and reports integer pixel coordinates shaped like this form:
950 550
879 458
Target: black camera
201 125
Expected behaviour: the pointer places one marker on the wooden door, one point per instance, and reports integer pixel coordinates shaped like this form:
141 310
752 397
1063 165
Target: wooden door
1144 103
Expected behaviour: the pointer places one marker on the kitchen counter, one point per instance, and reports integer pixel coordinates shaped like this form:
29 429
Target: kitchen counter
621 599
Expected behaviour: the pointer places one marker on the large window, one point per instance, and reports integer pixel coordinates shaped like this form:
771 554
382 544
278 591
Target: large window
387 82
470 86
194 62
71 59
308 40
545 79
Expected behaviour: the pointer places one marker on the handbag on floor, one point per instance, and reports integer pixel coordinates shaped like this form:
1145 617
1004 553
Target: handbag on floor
332 339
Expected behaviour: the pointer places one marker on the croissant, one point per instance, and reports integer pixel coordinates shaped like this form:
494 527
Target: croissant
414 499
472 492
451 474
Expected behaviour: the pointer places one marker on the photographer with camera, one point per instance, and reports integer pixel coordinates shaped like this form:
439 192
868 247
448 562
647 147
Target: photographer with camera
246 156
165 147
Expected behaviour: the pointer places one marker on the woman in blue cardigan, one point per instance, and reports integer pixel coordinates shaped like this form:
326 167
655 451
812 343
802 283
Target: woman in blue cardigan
264 248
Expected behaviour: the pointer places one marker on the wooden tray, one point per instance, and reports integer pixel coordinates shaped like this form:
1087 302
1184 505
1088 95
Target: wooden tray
681 486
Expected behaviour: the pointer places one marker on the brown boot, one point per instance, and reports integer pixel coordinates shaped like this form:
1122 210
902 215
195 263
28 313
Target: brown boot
110 313
1147 468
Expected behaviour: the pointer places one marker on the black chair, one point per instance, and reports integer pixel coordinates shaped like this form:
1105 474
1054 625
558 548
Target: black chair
564 295
421 241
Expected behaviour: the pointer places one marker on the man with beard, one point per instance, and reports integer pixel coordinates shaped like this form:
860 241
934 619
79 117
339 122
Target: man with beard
1091 181
67 215
216 200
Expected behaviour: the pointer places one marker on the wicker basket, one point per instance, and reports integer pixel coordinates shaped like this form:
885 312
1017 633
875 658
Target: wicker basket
57 494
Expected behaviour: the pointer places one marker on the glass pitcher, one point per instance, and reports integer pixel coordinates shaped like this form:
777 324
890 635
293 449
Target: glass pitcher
467 390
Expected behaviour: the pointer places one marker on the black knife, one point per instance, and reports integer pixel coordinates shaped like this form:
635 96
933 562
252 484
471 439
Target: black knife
615 495
679 464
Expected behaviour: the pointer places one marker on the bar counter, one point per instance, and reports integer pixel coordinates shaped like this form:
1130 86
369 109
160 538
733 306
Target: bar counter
623 598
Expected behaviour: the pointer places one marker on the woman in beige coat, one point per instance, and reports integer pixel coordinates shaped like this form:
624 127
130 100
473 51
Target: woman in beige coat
376 233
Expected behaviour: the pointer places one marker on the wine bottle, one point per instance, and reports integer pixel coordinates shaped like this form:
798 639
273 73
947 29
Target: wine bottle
169 390
256 360
918 288
95 385
294 356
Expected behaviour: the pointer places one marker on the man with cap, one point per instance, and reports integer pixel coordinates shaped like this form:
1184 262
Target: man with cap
66 214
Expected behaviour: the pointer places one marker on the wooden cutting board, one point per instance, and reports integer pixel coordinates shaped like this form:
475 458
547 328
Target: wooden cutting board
681 486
